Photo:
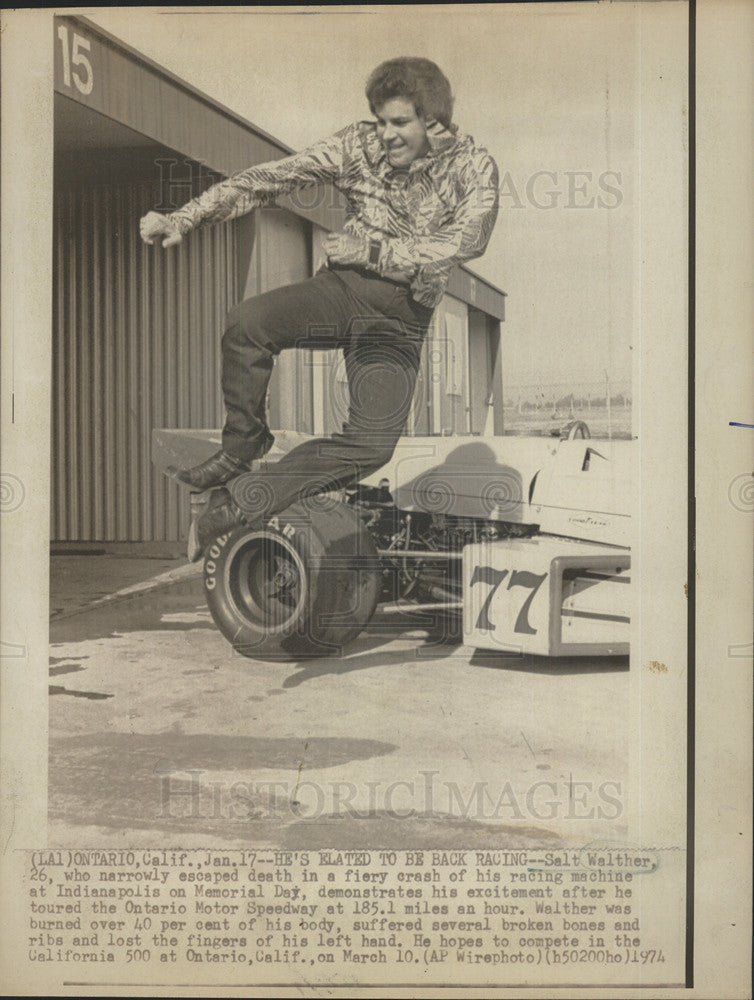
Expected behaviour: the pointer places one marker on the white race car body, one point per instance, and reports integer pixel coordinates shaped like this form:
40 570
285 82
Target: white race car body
540 526
562 591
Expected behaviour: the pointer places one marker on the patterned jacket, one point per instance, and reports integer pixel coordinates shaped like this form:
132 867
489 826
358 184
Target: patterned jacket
438 213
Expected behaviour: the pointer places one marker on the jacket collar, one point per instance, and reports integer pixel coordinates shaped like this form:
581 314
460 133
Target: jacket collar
439 137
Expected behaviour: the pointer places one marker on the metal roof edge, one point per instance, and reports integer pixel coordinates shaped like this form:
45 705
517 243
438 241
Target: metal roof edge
482 281
176 80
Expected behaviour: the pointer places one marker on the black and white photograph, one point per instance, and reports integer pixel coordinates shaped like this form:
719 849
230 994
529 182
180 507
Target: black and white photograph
332 543
357 394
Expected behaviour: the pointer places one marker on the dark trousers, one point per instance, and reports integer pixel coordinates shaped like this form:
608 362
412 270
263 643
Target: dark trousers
380 329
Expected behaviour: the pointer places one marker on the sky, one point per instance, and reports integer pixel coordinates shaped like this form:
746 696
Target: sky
551 90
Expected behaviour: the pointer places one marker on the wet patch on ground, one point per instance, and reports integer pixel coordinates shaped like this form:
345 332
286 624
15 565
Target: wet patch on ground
92 695
66 665
428 831
213 752
170 780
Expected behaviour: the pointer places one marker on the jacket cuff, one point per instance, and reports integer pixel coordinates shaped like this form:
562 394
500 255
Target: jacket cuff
181 222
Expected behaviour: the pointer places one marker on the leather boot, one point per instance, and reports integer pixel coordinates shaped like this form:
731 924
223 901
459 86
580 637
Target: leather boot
215 471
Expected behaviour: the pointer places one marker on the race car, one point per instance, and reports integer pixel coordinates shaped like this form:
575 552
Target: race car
528 537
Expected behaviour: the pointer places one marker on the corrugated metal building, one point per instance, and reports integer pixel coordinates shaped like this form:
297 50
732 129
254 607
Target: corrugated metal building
136 333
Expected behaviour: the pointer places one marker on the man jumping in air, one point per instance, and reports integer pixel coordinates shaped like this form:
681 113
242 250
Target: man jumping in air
421 198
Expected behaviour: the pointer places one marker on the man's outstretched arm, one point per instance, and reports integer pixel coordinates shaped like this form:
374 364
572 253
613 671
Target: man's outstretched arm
248 189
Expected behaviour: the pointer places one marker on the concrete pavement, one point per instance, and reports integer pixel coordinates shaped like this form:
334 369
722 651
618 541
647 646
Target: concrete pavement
160 734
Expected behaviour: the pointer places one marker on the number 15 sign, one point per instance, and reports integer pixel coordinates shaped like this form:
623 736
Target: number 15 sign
73 65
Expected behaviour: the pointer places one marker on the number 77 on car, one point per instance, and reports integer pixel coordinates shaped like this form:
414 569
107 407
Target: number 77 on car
564 591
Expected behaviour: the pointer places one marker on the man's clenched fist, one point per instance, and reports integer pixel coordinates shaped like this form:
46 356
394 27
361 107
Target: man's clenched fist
154 225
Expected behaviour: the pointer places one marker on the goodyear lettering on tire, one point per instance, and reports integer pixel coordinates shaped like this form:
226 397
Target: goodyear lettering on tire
210 567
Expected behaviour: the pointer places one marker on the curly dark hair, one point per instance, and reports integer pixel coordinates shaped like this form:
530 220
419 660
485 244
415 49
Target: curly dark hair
419 80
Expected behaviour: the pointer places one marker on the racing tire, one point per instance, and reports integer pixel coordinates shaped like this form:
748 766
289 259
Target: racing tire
305 585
